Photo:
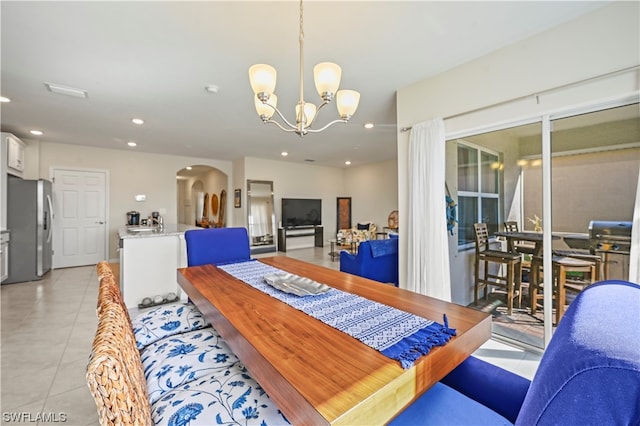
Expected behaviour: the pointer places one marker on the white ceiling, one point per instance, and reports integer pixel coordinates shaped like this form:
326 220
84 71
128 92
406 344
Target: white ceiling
153 60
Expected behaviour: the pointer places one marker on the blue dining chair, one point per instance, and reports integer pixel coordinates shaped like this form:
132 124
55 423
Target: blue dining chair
217 246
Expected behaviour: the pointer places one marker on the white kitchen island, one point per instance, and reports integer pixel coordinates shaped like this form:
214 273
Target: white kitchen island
149 258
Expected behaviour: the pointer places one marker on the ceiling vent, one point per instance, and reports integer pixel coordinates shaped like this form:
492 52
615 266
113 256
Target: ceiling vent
65 90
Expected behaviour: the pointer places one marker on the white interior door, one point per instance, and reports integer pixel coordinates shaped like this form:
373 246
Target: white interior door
79 232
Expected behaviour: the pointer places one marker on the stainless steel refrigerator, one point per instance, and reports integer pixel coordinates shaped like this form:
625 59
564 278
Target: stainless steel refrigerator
30 220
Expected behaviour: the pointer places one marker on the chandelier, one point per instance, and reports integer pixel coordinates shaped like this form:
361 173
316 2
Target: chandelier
327 80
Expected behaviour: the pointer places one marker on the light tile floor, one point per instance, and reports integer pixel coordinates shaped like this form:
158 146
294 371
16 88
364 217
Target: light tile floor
47 332
47 329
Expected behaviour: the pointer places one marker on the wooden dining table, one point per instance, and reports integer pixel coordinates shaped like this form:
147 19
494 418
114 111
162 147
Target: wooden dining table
316 374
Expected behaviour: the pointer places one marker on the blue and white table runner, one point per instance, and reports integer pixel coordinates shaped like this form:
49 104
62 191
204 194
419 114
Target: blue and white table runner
398 335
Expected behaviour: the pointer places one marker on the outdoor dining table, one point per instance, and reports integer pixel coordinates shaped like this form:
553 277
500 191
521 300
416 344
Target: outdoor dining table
315 373
534 237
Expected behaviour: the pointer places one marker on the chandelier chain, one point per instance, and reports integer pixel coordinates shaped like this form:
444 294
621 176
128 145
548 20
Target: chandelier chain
301 118
301 36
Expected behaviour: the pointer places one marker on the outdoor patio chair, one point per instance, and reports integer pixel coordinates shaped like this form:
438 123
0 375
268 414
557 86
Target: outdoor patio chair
520 246
485 277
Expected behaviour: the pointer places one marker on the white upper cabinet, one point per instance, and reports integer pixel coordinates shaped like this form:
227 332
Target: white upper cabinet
15 155
11 162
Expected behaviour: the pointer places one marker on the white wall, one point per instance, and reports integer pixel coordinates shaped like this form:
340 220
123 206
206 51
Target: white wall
604 41
154 175
585 187
294 180
239 181
373 189
130 173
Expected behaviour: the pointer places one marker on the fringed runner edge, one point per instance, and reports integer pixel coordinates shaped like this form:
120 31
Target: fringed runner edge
409 349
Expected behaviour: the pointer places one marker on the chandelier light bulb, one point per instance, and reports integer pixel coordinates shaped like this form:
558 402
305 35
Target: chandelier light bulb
327 77
266 109
262 78
309 114
347 102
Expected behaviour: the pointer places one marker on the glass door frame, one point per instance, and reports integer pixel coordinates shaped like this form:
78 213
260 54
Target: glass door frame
545 120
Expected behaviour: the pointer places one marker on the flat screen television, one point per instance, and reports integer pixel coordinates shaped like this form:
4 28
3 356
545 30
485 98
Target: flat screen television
301 212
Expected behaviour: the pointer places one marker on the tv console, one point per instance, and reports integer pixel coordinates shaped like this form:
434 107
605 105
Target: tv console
300 237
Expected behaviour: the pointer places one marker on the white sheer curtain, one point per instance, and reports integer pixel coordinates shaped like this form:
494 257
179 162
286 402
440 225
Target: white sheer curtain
428 246
634 258
260 216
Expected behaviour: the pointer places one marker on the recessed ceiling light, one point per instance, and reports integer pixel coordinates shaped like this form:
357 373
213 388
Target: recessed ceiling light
132 144
348 163
188 167
212 88
4 99
368 126
36 132
66 90
284 153
137 121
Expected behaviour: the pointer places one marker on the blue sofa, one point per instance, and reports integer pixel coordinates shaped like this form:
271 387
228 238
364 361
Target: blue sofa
217 246
376 260
588 375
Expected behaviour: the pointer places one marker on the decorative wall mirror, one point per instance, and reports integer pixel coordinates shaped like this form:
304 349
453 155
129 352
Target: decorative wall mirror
261 217
214 204
222 209
205 207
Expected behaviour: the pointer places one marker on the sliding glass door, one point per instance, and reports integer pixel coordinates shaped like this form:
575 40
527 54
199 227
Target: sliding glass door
491 190
589 168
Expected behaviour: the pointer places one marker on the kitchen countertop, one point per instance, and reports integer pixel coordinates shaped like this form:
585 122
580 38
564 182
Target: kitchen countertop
153 231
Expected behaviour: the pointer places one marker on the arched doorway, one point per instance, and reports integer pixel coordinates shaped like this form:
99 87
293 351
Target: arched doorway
195 184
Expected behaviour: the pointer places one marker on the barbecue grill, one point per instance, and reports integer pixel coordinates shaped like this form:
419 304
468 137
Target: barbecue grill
610 237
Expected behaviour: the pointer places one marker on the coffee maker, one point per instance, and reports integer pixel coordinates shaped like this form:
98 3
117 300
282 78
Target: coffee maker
133 218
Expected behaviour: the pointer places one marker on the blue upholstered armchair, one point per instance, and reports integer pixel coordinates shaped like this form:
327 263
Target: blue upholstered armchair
217 246
588 375
376 259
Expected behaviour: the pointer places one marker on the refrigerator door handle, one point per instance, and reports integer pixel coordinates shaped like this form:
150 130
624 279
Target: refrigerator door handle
50 229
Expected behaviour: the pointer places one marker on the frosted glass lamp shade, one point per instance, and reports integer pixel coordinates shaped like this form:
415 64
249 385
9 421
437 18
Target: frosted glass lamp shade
309 112
264 110
327 77
347 102
262 78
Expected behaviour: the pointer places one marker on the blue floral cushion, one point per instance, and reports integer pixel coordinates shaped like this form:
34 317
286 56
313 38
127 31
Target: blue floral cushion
229 398
165 321
174 361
